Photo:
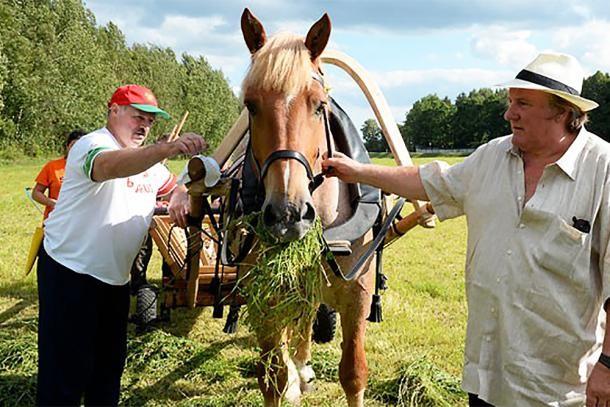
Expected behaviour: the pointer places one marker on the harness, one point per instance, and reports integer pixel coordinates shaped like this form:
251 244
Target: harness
247 193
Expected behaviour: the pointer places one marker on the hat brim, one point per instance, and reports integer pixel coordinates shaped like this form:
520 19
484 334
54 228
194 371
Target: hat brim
584 104
151 109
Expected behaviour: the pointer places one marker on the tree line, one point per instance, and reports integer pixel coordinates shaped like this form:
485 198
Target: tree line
475 118
58 70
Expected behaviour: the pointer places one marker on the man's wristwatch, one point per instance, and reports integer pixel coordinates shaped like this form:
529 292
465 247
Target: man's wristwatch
604 360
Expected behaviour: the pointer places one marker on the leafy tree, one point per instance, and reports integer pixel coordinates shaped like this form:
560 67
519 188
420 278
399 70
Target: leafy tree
479 117
374 140
58 70
428 123
597 88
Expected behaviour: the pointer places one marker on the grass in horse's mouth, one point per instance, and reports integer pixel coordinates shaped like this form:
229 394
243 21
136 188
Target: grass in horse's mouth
283 285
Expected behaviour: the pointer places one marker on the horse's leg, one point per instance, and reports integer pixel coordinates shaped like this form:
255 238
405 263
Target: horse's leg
354 303
302 357
277 374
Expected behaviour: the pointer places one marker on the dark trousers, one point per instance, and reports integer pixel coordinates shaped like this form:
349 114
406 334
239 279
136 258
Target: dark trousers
140 265
475 401
82 337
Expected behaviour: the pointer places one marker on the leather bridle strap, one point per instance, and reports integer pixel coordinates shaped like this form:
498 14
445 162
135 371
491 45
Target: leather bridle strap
286 154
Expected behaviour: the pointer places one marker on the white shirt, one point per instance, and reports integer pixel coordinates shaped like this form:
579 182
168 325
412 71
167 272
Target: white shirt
97 228
534 283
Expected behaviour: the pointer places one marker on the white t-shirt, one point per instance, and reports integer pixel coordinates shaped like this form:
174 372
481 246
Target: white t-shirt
97 228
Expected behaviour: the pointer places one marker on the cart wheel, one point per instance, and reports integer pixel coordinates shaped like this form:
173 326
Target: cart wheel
325 325
146 305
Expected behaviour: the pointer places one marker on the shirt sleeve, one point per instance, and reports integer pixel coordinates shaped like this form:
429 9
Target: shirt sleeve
448 186
167 180
43 176
83 153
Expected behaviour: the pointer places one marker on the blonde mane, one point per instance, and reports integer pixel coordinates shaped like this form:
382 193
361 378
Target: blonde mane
283 64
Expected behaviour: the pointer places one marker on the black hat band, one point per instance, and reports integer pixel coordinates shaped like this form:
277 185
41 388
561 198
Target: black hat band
546 81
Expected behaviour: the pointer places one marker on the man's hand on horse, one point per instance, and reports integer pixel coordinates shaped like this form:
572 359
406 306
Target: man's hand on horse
189 144
341 166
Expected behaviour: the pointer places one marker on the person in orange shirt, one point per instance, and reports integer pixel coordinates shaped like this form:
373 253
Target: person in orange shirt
52 175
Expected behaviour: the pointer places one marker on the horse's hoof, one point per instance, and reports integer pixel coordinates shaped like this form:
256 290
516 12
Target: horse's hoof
308 377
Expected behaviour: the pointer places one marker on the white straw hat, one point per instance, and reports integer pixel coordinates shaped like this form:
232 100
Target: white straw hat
559 74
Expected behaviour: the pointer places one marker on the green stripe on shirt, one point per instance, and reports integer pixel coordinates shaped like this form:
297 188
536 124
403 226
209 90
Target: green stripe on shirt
88 165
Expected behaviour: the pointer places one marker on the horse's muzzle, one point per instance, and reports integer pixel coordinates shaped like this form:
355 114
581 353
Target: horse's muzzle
287 221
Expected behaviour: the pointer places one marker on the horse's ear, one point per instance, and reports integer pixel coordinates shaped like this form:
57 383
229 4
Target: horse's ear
317 37
253 31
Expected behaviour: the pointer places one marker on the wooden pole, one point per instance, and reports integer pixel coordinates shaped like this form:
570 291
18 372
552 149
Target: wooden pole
380 108
196 170
175 133
409 222
231 139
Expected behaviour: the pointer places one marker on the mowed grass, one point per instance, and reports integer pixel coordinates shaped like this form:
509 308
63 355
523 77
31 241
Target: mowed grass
414 355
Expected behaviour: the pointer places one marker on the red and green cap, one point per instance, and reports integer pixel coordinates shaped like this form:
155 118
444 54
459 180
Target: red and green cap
139 97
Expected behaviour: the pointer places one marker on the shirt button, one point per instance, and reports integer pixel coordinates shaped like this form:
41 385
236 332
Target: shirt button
488 338
519 198
493 310
519 172
521 226
509 252
497 279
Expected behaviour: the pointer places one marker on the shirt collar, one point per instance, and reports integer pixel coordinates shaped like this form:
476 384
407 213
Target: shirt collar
569 160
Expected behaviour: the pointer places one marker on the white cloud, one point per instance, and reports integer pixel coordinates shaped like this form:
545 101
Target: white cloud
466 77
588 42
504 46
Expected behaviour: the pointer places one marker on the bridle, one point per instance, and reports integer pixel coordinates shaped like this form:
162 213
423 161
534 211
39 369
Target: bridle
314 180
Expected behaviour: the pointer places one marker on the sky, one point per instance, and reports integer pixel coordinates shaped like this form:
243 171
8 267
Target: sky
412 48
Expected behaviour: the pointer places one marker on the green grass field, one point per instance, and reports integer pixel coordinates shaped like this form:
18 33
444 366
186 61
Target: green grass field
415 354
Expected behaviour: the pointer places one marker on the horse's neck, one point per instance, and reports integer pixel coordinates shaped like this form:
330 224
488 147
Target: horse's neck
331 200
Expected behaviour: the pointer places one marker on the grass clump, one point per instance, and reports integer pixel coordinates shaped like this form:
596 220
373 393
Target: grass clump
420 383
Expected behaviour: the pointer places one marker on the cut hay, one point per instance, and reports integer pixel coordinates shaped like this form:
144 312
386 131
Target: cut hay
420 383
282 287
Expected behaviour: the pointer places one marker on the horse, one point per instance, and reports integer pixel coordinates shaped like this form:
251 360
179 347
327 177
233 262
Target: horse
287 104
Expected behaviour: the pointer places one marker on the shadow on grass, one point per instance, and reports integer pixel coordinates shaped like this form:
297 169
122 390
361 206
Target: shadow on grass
192 361
13 311
22 289
17 390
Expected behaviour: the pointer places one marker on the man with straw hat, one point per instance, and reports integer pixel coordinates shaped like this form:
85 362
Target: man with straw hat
537 204
91 238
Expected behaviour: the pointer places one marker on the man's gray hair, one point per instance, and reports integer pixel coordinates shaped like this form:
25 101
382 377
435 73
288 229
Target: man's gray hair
577 117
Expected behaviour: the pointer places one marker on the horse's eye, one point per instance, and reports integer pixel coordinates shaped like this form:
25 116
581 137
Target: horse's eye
250 106
320 108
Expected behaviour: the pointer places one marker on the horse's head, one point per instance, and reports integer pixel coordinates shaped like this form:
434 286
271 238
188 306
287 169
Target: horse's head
286 99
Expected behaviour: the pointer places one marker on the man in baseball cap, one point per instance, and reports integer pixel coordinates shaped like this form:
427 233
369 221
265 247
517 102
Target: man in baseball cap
91 238
537 204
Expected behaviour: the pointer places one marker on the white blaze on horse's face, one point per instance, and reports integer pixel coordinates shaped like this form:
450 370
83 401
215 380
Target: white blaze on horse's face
286 106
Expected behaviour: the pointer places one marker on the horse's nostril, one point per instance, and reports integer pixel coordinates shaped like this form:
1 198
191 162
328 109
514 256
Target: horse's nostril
270 215
309 213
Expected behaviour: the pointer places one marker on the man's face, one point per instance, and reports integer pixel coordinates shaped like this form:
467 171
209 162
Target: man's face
535 124
129 125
